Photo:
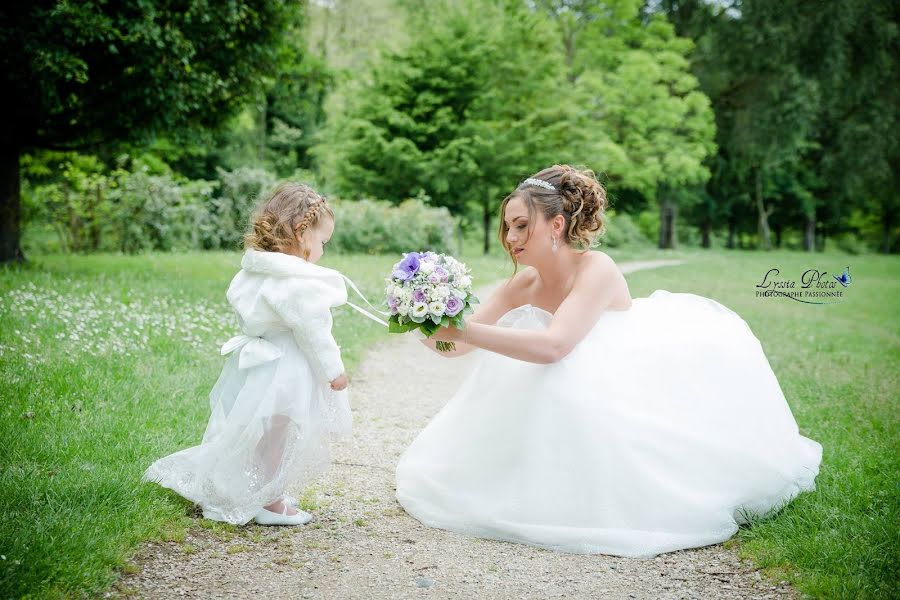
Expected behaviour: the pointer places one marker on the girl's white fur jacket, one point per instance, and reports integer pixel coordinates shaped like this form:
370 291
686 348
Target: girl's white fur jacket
275 292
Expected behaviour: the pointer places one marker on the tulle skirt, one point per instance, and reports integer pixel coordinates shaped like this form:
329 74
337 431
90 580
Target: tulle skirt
269 432
665 428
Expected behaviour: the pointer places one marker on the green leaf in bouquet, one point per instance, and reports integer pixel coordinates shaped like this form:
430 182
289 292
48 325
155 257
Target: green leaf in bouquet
396 325
445 321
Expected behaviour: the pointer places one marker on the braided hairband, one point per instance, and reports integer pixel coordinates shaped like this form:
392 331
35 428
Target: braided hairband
310 212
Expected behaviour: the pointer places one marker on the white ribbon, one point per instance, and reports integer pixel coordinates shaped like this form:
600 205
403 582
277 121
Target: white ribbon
254 350
362 310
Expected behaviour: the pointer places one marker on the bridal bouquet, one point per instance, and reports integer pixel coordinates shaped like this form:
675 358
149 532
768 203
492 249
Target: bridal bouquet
427 291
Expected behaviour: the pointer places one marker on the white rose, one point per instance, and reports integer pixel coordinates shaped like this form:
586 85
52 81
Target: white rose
403 309
419 309
426 267
437 308
464 281
443 292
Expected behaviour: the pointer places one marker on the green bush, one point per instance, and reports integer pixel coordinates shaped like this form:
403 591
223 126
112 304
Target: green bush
621 230
146 212
647 222
852 244
377 227
241 191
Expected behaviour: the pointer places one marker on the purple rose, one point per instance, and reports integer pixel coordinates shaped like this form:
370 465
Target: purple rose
406 268
392 302
454 305
419 296
442 273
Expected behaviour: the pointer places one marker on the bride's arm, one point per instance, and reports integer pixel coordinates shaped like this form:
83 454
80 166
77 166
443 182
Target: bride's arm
499 303
591 294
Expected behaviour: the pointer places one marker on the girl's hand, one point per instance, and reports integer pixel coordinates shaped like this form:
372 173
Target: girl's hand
339 383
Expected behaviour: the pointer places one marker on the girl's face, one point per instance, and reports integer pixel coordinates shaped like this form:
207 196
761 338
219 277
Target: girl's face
524 247
315 238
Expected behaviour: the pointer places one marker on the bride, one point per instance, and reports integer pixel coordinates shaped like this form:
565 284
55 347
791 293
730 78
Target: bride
594 422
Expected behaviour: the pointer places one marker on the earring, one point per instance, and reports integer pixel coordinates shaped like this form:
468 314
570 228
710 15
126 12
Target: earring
555 245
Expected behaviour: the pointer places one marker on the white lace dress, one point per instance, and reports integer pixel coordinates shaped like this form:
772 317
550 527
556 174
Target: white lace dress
665 428
273 412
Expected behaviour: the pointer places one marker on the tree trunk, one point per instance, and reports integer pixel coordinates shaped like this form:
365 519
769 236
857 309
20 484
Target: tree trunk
705 229
487 225
809 232
263 118
569 45
764 235
74 221
732 232
94 224
886 227
10 205
777 230
667 214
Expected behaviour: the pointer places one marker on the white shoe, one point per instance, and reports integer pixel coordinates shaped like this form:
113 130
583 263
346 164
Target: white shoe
267 517
290 500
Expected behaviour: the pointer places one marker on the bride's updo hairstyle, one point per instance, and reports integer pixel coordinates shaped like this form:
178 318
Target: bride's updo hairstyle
292 207
574 194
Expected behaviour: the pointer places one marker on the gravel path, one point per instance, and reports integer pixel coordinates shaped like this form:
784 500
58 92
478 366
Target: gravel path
363 545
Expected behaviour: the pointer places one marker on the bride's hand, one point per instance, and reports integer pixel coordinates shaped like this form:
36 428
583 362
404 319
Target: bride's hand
447 334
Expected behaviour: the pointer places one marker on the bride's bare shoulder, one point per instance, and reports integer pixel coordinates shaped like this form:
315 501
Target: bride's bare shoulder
598 263
602 272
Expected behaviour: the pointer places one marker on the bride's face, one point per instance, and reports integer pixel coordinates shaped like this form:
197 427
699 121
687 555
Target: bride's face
528 236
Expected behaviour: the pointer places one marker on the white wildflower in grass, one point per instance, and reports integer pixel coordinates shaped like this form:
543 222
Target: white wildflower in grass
427 291
80 320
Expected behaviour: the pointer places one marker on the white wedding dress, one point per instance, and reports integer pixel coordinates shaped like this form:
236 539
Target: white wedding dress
665 428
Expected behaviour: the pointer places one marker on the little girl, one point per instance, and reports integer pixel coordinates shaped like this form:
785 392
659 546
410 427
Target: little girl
281 396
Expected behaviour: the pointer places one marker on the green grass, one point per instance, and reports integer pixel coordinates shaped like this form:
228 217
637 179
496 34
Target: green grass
107 361
838 367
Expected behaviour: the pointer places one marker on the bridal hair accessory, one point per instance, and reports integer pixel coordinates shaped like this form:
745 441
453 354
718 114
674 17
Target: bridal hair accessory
540 183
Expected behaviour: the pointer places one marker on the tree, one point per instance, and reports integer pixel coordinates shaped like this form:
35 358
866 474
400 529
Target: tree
87 74
806 97
470 107
644 121
850 49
